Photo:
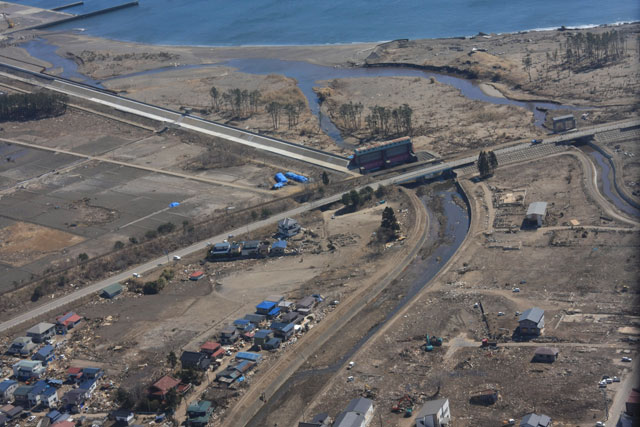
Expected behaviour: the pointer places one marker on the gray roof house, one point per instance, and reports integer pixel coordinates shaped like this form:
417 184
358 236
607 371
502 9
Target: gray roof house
42 332
288 227
532 321
349 419
434 414
22 346
535 420
358 413
536 212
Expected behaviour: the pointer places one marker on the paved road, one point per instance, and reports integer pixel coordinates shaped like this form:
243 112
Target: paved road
177 119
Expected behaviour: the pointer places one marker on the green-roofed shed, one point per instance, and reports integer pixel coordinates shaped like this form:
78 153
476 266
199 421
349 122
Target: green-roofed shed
112 291
198 413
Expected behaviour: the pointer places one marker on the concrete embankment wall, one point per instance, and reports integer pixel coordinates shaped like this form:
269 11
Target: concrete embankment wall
84 15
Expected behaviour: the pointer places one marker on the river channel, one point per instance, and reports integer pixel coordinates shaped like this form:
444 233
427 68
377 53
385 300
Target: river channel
606 176
307 76
449 228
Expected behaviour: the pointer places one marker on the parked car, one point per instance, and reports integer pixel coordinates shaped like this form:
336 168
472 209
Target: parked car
609 380
500 313
600 424
616 379
602 384
176 258
626 359
136 275
516 290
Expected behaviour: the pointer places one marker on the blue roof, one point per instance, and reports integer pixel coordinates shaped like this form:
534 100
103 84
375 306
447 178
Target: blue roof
86 384
241 322
39 387
266 305
54 415
46 350
49 391
247 355
275 311
91 371
281 244
4 385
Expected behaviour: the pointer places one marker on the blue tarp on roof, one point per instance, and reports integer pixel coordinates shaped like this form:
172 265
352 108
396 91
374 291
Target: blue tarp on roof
296 177
266 305
279 244
280 178
278 185
247 355
174 204
274 312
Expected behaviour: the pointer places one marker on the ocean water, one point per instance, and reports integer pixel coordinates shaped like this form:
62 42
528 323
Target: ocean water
289 22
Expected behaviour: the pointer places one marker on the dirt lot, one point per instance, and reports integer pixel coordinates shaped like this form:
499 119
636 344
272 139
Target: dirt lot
21 243
584 278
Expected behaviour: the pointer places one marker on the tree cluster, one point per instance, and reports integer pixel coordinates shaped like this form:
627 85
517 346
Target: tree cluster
292 112
389 226
238 102
592 49
388 121
354 199
487 163
31 106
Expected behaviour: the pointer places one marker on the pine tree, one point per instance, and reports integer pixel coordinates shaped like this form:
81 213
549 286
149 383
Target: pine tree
483 165
493 161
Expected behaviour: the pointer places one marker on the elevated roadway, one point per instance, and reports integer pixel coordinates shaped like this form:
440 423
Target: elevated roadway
177 119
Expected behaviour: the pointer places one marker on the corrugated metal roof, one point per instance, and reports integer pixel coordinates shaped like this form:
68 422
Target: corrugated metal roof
537 208
533 314
247 355
360 405
432 407
41 328
113 289
568 116
550 351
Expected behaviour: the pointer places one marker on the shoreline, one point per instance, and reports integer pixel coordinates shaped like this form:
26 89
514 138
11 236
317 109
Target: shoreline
82 32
